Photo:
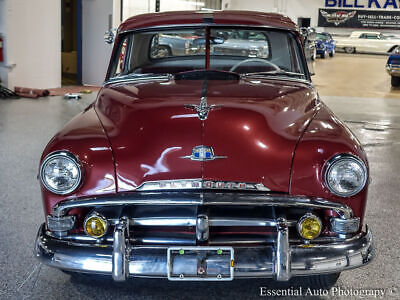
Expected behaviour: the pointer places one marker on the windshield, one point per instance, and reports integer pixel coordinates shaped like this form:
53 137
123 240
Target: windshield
238 50
321 36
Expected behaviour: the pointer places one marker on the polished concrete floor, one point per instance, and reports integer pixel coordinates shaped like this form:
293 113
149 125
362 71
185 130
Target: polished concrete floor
362 98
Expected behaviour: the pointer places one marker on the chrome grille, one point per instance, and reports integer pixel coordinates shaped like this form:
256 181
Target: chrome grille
176 225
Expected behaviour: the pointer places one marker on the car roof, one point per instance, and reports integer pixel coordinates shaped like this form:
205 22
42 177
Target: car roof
232 17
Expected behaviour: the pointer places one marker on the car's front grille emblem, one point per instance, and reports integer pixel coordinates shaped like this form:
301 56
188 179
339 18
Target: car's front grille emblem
203 153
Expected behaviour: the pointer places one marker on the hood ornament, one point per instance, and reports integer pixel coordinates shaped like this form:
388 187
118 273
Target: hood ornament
203 109
203 153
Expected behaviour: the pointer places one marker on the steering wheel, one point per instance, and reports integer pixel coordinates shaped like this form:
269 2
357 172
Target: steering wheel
234 67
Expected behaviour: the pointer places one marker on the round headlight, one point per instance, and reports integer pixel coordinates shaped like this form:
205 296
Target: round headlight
345 175
60 173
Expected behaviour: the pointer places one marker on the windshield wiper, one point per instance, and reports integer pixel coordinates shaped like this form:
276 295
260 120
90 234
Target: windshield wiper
276 72
139 76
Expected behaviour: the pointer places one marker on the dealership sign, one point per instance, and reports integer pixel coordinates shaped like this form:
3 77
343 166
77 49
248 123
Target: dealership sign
347 18
372 4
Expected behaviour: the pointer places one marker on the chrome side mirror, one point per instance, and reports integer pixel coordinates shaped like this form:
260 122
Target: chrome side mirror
109 36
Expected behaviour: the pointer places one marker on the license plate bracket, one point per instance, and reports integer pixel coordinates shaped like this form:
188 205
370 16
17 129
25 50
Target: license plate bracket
200 263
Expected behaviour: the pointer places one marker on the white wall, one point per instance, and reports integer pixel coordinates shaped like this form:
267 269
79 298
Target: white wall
3 30
135 7
95 53
32 33
292 8
171 5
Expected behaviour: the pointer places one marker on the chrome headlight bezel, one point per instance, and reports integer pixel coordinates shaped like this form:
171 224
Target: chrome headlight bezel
330 164
66 155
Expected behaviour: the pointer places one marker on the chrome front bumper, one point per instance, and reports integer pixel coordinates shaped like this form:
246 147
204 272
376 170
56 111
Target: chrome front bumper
393 70
280 261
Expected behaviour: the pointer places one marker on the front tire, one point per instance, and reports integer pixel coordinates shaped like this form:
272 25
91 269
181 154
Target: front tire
324 54
332 54
349 50
325 281
395 81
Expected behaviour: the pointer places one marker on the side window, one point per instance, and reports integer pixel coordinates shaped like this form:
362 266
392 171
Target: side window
122 57
120 63
363 36
372 37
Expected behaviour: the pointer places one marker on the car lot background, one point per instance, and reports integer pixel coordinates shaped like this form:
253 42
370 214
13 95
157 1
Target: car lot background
357 90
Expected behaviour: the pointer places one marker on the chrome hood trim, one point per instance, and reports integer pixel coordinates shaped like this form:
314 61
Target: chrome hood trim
197 184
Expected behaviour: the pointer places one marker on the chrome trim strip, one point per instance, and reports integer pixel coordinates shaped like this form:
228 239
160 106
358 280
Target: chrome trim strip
204 198
218 222
145 261
246 222
164 221
198 184
282 262
130 78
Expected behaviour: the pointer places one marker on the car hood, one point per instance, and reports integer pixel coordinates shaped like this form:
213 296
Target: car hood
254 128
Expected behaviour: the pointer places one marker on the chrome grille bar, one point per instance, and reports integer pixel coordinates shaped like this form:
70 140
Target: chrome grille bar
218 222
204 198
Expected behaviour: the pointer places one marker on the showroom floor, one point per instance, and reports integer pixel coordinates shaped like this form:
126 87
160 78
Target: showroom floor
357 90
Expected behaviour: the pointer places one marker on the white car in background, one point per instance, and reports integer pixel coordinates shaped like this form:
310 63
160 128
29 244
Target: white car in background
367 41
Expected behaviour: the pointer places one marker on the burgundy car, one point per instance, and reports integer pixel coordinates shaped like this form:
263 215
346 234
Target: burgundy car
206 165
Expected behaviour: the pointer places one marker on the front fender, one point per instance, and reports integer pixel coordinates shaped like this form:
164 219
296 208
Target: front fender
84 137
325 137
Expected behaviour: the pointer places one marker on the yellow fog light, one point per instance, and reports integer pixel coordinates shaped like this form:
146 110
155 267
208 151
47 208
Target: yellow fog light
95 226
309 226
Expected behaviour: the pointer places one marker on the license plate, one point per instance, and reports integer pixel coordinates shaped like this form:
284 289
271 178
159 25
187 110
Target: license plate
200 263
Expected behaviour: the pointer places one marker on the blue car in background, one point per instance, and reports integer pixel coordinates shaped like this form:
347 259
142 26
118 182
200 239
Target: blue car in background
393 67
325 45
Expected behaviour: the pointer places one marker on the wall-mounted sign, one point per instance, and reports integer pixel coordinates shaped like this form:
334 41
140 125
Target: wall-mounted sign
347 18
373 4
